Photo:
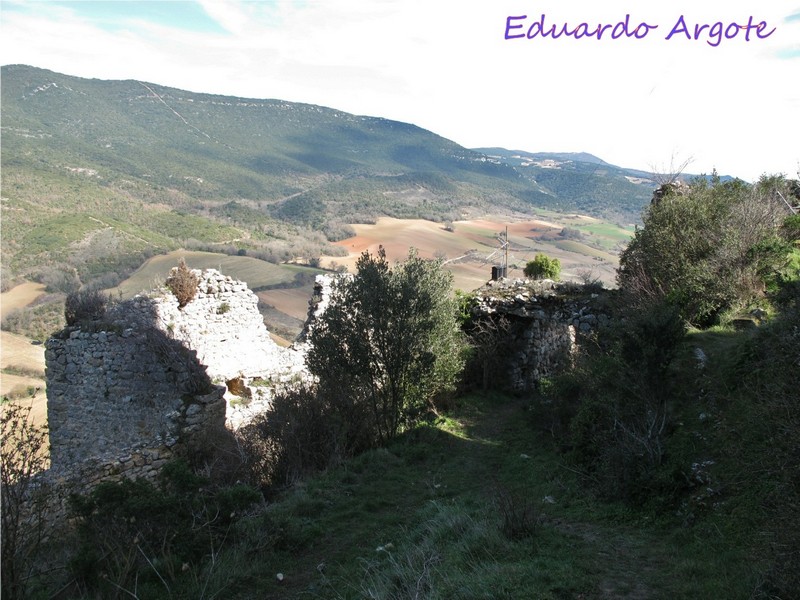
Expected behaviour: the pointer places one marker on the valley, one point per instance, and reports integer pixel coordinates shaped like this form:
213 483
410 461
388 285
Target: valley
259 189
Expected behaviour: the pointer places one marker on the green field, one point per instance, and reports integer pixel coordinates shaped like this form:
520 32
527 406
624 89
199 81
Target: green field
583 249
608 230
607 235
258 274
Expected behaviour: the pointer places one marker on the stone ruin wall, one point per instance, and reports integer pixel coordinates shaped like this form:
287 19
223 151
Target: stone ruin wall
123 397
112 395
128 394
545 324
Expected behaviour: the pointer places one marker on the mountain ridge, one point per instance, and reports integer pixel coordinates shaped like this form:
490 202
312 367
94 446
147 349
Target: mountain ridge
99 174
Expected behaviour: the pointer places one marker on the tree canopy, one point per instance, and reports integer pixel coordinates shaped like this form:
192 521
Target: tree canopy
389 338
711 246
543 267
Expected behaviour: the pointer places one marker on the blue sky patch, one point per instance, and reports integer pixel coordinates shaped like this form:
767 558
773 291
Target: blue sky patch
114 15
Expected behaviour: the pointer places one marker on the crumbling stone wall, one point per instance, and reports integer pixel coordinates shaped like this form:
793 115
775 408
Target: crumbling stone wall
149 381
544 324
223 325
117 393
127 394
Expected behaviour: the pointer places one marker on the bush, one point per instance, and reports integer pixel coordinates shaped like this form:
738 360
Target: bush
84 306
766 380
305 430
614 408
543 267
182 282
708 247
37 322
23 454
391 337
141 535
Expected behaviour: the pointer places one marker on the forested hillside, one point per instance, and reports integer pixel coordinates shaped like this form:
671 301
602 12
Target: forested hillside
98 175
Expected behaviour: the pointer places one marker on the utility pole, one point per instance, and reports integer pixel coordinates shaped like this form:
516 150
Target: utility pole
505 258
502 270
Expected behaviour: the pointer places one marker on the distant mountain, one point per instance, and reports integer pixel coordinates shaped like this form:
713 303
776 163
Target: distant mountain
593 186
94 170
523 156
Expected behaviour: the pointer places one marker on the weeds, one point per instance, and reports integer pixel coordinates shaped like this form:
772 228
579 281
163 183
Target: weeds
23 455
85 305
520 516
182 282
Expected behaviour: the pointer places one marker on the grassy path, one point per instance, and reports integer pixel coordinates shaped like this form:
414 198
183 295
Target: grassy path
425 518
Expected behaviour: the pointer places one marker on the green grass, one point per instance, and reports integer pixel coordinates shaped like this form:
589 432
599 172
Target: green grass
256 273
607 236
609 230
426 518
422 516
583 249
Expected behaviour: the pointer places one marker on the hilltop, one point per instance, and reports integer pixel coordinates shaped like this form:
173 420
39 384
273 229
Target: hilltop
99 175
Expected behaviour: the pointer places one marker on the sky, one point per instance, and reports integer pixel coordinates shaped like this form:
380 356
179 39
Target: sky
683 81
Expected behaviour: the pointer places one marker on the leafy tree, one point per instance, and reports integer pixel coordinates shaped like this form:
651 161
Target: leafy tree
707 247
389 339
543 267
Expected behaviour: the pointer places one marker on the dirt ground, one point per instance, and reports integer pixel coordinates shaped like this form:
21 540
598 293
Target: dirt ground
19 297
19 351
472 248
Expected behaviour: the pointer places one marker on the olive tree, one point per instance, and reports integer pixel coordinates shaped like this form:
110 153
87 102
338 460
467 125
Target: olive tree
389 339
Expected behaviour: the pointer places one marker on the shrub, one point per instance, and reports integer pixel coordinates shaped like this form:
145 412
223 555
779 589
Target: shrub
141 535
615 405
400 336
543 267
708 247
305 430
182 282
23 454
85 305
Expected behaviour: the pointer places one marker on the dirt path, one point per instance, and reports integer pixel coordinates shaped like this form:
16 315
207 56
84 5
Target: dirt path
624 560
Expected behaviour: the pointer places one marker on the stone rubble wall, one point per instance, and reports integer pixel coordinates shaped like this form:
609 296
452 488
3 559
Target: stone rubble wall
127 394
546 323
223 325
111 394
152 379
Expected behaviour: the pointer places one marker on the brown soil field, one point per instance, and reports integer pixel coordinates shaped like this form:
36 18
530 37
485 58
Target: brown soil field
19 297
473 247
292 301
18 351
